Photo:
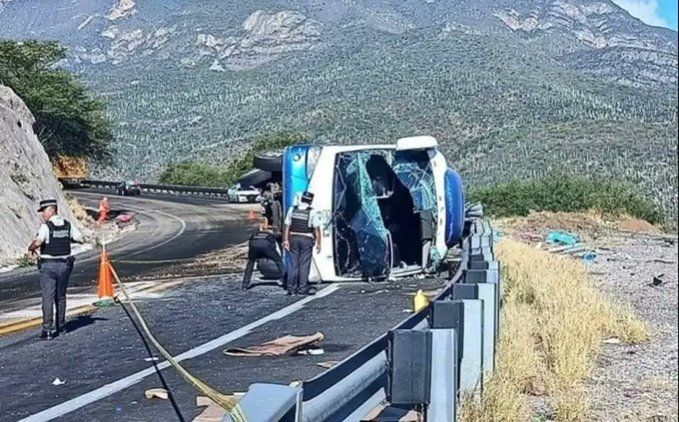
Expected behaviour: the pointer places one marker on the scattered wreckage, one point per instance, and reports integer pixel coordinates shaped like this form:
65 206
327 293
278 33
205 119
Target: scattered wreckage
388 211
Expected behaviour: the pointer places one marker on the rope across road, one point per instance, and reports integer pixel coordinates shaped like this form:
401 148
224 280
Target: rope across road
227 402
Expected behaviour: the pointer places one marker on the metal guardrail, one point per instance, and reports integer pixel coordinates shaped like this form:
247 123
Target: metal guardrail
164 189
426 362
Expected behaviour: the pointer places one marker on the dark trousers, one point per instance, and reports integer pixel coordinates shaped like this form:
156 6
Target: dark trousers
257 250
301 251
54 276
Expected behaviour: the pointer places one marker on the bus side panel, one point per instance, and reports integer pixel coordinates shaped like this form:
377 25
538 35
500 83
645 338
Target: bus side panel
295 182
439 167
295 178
454 207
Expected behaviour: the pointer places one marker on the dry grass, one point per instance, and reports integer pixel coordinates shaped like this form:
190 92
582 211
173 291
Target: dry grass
554 321
658 383
570 405
518 372
78 210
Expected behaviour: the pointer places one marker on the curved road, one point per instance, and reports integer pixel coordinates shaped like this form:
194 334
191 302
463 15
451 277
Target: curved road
170 229
107 366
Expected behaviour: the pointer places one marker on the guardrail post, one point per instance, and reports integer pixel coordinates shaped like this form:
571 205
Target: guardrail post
479 241
271 402
486 277
444 373
466 318
409 375
486 292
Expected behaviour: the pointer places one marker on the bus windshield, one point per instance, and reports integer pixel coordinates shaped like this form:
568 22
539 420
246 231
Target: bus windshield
381 198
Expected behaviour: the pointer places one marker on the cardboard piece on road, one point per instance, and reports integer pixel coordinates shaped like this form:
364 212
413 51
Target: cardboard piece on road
159 393
213 412
279 347
392 414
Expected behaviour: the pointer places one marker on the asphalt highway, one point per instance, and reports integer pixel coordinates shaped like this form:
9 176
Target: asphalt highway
104 362
170 229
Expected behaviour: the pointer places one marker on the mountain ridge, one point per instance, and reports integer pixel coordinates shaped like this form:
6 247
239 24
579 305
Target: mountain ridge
195 81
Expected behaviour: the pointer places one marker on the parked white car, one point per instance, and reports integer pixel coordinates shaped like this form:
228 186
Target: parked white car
239 194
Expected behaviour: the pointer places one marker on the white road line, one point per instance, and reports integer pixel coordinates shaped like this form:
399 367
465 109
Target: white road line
121 384
179 233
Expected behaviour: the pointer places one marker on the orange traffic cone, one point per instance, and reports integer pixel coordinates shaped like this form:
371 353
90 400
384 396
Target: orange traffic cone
105 289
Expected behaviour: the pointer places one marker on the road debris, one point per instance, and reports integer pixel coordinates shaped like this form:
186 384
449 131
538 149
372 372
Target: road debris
663 261
388 413
420 301
328 364
313 351
560 237
589 257
58 382
612 340
278 347
159 393
658 279
213 412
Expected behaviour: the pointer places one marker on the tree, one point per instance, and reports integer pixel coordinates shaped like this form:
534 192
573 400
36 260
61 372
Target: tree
202 174
68 120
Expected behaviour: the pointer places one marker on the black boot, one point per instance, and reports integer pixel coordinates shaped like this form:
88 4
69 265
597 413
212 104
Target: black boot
46 335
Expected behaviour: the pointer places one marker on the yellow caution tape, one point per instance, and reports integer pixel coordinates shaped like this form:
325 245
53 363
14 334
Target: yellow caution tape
226 402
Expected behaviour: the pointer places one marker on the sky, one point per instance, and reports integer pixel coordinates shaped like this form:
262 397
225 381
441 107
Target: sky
652 12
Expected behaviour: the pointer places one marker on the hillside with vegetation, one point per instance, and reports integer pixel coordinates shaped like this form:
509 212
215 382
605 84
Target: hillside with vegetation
511 88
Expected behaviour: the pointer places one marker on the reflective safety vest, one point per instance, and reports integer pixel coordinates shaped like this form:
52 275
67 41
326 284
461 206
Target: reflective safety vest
300 221
59 241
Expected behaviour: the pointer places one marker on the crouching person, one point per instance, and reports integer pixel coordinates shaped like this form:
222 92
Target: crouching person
262 244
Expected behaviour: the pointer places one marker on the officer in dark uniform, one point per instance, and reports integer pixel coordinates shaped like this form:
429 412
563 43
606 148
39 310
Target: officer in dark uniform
262 244
271 204
300 233
55 264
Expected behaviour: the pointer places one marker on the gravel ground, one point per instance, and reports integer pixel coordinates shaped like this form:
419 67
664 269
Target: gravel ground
638 382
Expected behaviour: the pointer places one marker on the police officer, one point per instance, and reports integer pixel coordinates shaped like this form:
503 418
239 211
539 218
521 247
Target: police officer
55 264
262 244
301 231
272 209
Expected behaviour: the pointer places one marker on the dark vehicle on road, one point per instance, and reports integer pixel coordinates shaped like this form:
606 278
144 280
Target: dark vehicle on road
128 187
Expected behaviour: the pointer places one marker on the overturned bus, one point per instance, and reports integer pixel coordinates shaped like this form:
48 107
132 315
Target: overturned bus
387 211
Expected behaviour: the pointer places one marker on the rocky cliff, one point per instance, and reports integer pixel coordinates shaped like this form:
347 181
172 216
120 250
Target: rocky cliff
26 177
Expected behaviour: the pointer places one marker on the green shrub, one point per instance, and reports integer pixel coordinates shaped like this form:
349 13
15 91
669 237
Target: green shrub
208 175
566 193
194 174
68 119
26 260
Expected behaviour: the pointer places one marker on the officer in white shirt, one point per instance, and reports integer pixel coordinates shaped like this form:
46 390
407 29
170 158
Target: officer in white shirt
55 263
301 231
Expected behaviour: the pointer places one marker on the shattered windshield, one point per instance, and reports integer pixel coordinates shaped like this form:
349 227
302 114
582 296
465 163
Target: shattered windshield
413 169
379 199
361 236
